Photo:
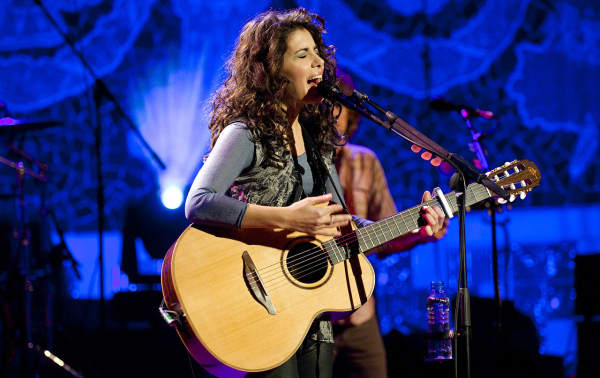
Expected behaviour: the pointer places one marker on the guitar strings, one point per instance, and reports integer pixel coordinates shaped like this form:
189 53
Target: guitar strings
321 266
351 237
343 241
306 270
408 214
316 252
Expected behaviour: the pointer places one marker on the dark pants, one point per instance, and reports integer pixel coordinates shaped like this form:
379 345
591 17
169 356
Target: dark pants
359 351
311 360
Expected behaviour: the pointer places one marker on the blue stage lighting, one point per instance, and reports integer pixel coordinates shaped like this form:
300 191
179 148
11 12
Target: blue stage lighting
172 197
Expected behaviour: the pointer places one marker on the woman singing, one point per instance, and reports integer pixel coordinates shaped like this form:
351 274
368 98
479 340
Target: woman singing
272 144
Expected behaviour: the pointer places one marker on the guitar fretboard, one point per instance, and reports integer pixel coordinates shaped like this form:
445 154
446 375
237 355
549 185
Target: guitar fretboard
378 233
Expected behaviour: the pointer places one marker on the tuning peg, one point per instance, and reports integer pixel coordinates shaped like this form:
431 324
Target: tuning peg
523 195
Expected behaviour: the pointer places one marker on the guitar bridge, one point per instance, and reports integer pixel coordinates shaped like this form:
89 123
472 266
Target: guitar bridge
256 284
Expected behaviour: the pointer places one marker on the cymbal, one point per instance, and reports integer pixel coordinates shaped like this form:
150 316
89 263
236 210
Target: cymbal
8 124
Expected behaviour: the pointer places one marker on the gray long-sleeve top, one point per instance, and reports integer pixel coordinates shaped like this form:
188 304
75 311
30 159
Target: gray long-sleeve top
233 152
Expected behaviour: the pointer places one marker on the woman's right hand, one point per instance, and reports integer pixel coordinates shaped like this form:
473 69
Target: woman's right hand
312 216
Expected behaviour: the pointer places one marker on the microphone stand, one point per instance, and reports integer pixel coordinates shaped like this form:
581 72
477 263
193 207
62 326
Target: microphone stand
466 173
22 252
479 151
103 89
100 90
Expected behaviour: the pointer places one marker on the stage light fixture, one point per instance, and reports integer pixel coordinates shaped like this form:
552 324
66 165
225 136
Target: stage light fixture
172 197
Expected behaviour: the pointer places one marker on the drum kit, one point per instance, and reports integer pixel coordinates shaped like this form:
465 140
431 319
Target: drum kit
30 265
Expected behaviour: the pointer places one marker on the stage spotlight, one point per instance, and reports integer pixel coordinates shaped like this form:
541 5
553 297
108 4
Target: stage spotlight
172 197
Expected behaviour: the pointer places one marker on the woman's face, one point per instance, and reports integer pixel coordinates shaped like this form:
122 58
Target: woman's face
303 67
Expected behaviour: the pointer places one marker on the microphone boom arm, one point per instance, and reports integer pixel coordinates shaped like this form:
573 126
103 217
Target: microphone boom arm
396 124
471 173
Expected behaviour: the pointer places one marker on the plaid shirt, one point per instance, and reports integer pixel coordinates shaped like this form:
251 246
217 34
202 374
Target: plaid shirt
367 195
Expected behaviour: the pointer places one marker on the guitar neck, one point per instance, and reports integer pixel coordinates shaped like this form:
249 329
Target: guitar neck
378 233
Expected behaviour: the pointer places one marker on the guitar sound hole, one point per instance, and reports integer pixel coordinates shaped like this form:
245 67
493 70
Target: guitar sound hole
307 263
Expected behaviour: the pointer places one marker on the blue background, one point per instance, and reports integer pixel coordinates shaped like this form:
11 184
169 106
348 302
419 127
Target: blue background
535 64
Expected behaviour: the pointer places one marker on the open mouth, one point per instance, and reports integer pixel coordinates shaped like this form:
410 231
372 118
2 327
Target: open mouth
315 79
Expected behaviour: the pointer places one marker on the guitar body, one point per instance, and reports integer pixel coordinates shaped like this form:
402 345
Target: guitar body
227 329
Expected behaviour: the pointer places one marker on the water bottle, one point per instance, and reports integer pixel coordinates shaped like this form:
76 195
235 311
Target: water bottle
438 309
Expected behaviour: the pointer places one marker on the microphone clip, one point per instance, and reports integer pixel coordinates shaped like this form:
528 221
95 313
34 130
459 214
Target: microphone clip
359 96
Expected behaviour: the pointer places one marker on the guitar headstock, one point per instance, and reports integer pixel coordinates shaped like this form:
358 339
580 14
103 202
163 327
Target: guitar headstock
516 177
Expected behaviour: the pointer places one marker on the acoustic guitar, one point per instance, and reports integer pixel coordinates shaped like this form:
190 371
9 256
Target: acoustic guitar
247 297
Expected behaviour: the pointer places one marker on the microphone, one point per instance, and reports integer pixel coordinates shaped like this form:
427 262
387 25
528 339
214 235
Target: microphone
331 92
442 105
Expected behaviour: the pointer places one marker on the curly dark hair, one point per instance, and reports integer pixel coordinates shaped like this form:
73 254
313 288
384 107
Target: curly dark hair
255 89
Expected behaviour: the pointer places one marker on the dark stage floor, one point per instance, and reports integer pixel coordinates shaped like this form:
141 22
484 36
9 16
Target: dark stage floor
138 343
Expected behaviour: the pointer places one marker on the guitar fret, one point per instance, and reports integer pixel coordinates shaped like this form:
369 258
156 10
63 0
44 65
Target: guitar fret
343 248
366 241
388 233
393 226
334 247
489 194
372 243
341 251
406 225
451 198
377 237
473 192
330 252
362 237
396 224
416 222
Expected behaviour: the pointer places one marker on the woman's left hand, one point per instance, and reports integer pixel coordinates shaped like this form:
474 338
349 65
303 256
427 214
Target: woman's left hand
436 219
436 228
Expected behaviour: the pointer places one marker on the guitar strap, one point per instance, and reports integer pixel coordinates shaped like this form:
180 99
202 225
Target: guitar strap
317 153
